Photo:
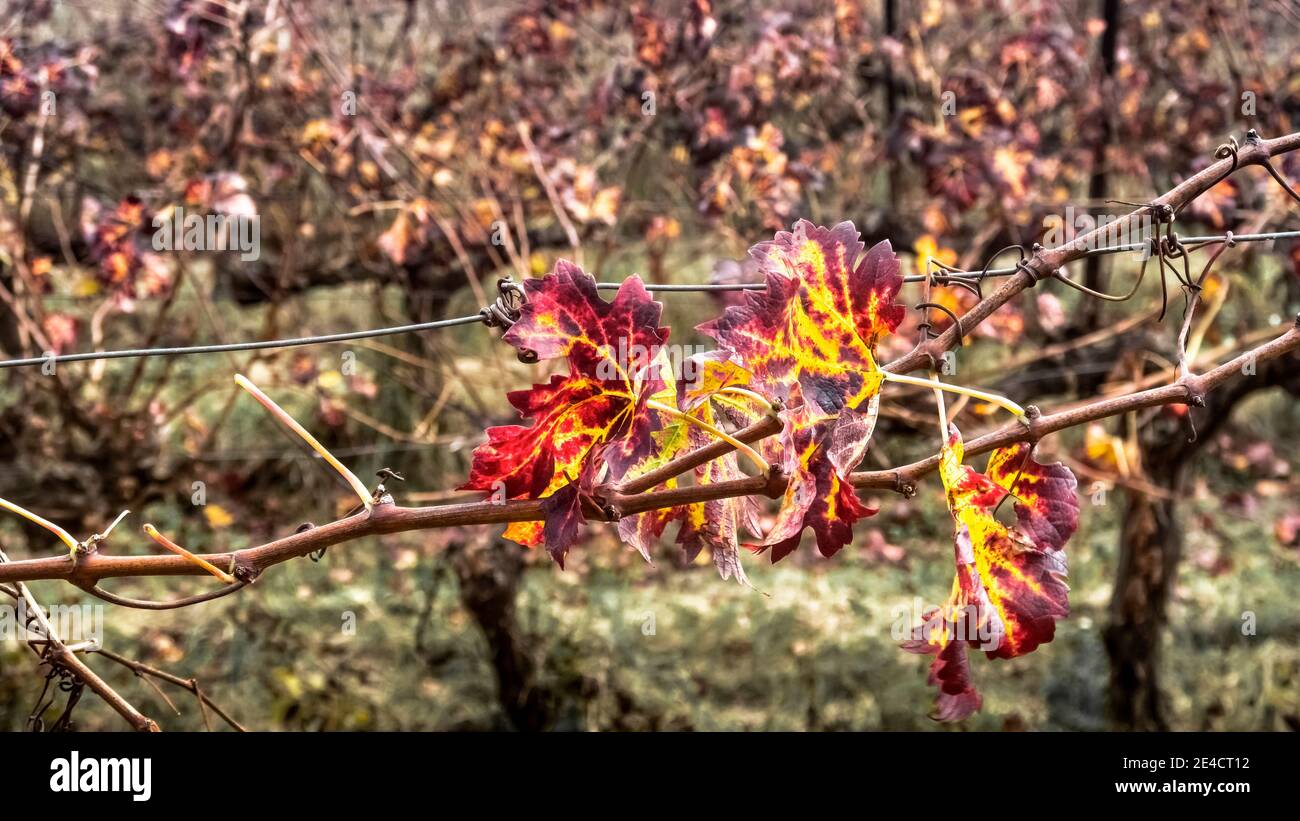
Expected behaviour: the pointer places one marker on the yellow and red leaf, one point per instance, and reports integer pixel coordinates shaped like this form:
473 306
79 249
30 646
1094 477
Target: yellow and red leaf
1010 585
950 670
809 339
714 523
817 496
563 315
591 419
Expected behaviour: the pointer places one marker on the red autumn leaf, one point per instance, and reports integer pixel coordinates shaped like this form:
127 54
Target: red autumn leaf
950 671
1046 504
810 336
713 524
564 316
817 496
1010 587
113 239
570 415
1019 571
593 418
703 393
809 339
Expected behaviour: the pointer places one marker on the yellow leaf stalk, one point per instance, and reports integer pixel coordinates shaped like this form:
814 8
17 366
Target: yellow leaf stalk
984 396
63 535
292 424
714 431
152 533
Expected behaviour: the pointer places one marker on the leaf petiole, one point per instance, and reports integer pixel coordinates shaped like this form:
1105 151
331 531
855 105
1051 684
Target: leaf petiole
116 522
984 396
63 535
753 455
747 393
152 533
941 407
292 424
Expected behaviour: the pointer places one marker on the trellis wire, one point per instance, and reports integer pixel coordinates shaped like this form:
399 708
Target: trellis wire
265 344
952 273
244 346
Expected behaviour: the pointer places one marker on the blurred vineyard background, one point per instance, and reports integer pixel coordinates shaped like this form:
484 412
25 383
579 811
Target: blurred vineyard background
383 143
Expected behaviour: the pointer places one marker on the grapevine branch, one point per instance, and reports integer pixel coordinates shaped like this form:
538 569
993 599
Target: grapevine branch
1046 263
387 518
146 673
86 566
632 497
61 656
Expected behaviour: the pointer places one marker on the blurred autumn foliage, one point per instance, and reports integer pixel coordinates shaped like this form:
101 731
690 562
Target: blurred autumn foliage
402 155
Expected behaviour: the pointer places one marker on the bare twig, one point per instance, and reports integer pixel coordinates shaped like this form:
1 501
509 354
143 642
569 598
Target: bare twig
145 672
57 653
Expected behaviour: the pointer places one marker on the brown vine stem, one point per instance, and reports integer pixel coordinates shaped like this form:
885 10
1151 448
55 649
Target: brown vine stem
1046 262
59 654
249 563
144 671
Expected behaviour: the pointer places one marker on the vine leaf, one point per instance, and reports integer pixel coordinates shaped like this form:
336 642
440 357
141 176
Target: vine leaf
1010 585
591 419
950 670
563 315
712 524
809 339
817 496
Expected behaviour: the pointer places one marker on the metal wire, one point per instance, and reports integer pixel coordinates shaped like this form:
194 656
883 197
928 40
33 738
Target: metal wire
1116 249
489 317
244 346
954 272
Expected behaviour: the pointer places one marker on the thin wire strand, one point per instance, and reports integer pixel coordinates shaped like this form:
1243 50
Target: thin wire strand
244 346
954 272
953 275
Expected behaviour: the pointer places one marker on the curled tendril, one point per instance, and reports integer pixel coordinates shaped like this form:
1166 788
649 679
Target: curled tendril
979 279
1165 248
1228 149
1281 180
925 322
149 604
62 680
504 312
974 283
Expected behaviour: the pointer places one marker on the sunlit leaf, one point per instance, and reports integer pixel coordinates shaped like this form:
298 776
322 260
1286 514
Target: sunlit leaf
809 340
596 409
1010 586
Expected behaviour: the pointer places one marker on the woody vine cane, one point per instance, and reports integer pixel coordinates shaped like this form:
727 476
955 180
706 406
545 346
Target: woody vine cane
613 449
